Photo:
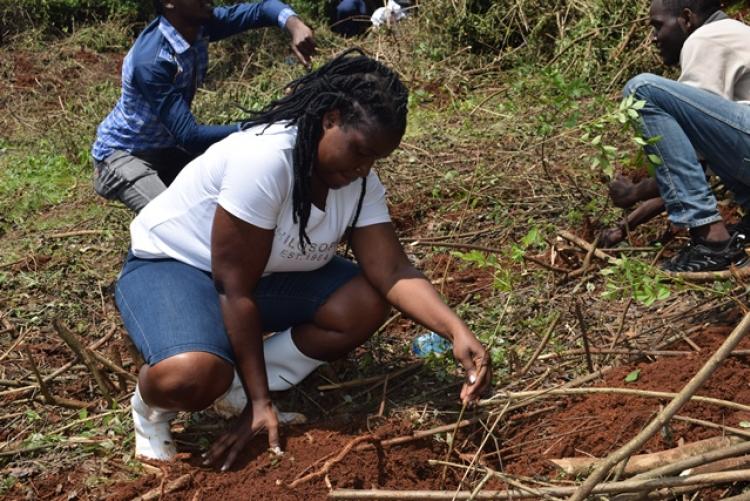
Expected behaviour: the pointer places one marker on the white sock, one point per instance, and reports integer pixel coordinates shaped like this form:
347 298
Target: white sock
285 367
285 364
153 438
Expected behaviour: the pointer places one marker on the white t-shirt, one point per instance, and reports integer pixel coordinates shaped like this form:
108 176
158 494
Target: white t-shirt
250 175
716 58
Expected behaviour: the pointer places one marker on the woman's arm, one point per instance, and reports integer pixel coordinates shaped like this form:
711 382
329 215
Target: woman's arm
239 253
387 268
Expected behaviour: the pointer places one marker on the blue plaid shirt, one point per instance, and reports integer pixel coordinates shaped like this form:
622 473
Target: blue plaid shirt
160 75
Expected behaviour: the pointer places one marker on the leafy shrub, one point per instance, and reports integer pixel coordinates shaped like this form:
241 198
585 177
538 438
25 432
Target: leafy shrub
65 15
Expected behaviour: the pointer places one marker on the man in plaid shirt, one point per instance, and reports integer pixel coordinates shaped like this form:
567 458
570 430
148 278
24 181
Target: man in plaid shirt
151 133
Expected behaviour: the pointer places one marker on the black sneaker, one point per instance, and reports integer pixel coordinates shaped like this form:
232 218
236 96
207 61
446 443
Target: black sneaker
742 227
698 256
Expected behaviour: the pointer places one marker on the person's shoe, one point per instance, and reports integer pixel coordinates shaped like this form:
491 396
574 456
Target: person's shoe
701 256
153 438
742 227
233 402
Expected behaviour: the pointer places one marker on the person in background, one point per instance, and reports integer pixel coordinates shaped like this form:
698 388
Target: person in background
151 134
244 243
705 112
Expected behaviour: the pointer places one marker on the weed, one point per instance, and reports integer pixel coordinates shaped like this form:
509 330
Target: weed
632 277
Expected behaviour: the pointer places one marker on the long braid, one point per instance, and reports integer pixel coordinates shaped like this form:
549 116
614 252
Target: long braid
363 90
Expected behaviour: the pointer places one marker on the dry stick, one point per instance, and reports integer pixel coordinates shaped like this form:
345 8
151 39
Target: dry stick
710 276
666 414
42 385
455 245
633 353
708 424
501 397
542 345
85 355
174 485
583 244
328 464
621 326
122 380
545 265
584 336
76 233
49 398
604 488
117 369
453 441
381 409
368 380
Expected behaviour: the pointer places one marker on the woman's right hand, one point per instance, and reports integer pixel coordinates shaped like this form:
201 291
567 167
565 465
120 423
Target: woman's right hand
256 418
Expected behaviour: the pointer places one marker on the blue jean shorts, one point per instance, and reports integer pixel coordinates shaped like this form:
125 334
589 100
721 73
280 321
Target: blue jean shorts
169 307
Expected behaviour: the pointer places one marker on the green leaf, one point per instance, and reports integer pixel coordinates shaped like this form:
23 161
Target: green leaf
654 159
633 376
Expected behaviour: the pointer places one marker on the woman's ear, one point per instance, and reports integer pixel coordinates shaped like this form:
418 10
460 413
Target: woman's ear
331 118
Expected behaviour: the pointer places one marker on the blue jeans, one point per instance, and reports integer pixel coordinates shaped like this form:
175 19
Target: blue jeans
345 11
691 120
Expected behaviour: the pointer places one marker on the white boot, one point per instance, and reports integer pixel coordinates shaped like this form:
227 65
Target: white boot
285 367
153 438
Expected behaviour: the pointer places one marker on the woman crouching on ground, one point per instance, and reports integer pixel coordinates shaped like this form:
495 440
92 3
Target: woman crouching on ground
244 242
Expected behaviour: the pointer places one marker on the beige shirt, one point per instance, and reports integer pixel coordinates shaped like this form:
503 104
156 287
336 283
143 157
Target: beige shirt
716 58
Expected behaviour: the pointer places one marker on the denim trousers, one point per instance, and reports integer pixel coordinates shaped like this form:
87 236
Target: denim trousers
692 121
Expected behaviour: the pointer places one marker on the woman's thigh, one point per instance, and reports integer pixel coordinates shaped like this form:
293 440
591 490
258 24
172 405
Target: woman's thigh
169 308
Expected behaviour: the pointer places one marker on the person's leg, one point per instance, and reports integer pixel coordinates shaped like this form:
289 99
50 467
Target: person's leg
172 314
317 316
344 22
689 119
127 178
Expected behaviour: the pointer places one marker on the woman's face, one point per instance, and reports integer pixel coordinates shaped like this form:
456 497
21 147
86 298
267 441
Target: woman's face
347 152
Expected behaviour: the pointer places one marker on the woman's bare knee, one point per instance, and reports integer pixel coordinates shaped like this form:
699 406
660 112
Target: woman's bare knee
188 381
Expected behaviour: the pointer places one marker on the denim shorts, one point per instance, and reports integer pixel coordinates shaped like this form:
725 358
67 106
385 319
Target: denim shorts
169 307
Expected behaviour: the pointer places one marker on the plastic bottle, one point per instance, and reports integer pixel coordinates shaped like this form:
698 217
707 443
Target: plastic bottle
429 342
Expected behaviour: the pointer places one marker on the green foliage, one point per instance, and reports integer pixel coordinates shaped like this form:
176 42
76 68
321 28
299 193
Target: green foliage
33 181
625 120
636 278
66 15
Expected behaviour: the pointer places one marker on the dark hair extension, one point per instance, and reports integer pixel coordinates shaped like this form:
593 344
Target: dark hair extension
363 90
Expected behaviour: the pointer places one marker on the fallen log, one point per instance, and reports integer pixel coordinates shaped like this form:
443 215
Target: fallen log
646 462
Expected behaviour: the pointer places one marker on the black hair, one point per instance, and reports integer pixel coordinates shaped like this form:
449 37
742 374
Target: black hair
703 8
363 90
158 7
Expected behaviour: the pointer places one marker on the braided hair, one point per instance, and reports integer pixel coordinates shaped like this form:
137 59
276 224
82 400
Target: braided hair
364 91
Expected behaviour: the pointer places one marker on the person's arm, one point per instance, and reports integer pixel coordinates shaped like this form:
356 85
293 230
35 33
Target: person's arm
387 268
155 82
239 253
625 193
231 20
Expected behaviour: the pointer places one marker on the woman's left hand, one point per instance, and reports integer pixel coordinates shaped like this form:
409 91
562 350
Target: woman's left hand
476 361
